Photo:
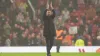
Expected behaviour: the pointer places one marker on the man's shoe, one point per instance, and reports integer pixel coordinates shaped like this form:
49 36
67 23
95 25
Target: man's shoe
58 52
48 55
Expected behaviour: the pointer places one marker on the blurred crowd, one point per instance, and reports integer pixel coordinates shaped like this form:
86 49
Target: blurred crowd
18 27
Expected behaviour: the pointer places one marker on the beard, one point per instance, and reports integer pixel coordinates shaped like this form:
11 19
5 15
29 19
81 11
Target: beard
49 14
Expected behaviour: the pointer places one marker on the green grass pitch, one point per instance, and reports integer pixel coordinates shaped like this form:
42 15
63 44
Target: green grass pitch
53 54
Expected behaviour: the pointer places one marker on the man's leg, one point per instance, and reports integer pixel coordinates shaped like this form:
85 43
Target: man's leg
48 46
51 42
58 45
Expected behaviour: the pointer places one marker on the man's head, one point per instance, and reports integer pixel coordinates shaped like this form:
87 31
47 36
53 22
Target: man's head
49 12
49 9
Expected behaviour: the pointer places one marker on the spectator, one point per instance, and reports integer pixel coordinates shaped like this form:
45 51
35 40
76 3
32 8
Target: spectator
79 42
8 42
66 15
68 40
94 29
59 38
29 40
27 21
57 11
20 17
59 21
7 28
33 39
3 19
90 13
14 40
39 40
94 40
89 27
89 41
71 6
83 18
81 29
24 39
98 39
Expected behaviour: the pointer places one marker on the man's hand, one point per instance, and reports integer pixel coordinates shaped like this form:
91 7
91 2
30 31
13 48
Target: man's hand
51 5
47 7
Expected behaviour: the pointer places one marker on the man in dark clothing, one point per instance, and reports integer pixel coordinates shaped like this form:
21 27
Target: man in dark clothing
49 28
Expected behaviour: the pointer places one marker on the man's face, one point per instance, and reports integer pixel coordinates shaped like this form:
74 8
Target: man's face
49 13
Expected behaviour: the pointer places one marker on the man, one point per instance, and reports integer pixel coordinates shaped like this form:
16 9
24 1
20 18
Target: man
61 33
98 39
79 42
7 41
49 29
2 23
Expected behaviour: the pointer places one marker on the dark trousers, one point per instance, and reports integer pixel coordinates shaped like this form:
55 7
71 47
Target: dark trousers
49 44
58 44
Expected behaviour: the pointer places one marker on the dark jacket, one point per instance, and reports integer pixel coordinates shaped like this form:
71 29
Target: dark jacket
49 28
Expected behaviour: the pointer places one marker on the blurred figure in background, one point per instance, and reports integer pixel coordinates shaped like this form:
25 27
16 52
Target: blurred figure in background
61 33
8 41
66 14
90 12
7 28
79 42
14 40
68 40
98 39
3 20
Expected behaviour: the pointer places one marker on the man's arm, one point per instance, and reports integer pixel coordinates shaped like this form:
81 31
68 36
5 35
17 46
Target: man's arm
47 6
52 8
44 14
54 14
